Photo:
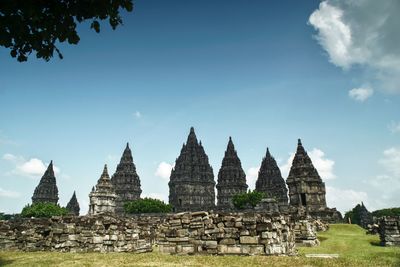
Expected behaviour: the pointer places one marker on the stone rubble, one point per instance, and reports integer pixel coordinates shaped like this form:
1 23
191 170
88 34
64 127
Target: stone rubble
389 230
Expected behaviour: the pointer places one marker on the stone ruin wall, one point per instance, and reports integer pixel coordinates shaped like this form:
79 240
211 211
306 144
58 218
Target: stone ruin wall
229 233
389 230
182 233
74 234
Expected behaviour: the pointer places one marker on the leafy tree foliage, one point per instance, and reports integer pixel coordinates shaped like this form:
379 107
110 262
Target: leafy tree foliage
37 25
249 199
43 210
6 217
386 212
147 205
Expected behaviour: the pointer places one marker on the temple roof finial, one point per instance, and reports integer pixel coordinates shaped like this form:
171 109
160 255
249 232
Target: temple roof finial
299 142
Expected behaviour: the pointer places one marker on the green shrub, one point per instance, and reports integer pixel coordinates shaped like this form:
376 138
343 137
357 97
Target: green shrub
386 212
251 198
147 205
6 217
43 210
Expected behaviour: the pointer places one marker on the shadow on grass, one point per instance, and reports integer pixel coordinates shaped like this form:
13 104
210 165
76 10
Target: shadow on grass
376 243
4 262
321 238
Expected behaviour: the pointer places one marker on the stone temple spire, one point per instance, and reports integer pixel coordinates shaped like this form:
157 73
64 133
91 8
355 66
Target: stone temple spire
191 185
126 181
270 180
305 185
47 190
231 178
73 205
102 199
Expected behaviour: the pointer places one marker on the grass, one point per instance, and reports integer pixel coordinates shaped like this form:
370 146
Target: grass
354 247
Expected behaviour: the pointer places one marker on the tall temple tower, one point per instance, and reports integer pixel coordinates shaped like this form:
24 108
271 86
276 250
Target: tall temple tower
47 190
102 198
73 205
305 185
270 180
126 181
191 185
231 178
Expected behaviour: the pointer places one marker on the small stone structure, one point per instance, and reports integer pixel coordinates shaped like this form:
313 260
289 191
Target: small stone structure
73 205
100 233
305 185
306 233
227 233
389 230
231 178
126 181
102 198
191 185
270 180
365 216
47 190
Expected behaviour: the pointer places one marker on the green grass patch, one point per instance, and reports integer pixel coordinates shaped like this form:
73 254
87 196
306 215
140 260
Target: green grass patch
354 247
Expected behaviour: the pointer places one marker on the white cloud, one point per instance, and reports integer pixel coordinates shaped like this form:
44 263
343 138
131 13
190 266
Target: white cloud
361 94
391 161
334 35
33 167
394 127
363 33
345 199
285 168
138 114
323 165
9 194
251 176
164 170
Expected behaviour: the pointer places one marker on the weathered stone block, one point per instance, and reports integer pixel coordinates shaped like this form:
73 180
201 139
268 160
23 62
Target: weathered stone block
249 239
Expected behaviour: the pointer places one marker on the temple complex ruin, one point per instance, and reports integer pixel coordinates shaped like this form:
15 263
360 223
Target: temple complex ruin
191 185
270 181
73 205
306 188
126 181
102 198
231 178
47 190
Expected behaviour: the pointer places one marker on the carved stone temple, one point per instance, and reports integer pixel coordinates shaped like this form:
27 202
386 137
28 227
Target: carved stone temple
270 180
126 181
102 198
47 190
73 205
306 188
231 178
191 185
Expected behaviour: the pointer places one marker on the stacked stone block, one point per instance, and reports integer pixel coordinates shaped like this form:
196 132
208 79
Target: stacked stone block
389 230
229 233
74 234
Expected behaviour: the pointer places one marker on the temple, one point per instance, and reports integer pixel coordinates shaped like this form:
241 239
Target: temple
73 205
126 181
191 185
47 190
102 198
270 181
231 178
306 188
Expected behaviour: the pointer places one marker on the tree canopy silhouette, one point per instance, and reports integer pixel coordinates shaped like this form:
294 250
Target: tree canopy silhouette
28 26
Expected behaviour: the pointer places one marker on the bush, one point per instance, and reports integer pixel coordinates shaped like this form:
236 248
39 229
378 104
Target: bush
43 210
251 198
386 212
6 217
147 205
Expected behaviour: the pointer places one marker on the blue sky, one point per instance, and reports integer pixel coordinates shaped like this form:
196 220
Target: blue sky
261 72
